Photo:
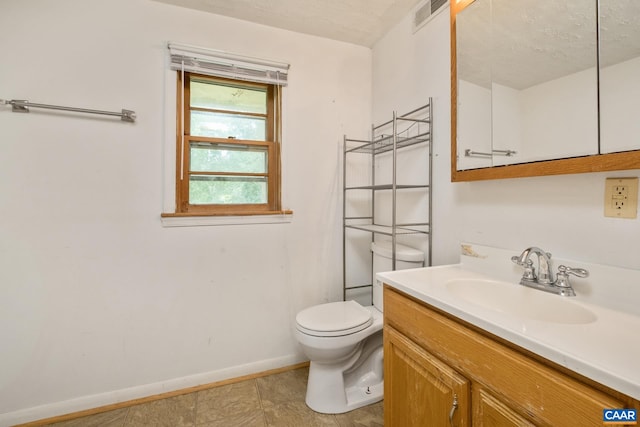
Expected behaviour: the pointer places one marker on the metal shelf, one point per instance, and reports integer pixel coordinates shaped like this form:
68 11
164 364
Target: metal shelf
387 187
410 129
348 288
385 144
388 230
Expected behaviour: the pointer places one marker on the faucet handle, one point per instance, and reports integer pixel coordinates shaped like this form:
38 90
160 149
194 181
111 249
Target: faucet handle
562 278
518 260
580 272
529 269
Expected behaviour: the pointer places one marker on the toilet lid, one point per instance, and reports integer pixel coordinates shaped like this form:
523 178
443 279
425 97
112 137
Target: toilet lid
333 319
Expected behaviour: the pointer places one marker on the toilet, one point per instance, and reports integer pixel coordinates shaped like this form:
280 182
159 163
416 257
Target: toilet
343 341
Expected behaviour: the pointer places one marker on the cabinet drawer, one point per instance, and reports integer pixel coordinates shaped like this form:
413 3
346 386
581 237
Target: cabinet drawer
539 392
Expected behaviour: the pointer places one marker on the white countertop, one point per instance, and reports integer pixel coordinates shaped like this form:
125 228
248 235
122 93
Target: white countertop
606 350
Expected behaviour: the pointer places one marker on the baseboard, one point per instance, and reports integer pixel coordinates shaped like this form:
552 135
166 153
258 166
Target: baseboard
93 404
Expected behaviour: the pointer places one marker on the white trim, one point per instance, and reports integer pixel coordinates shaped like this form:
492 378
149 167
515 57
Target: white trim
137 392
199 221
182 121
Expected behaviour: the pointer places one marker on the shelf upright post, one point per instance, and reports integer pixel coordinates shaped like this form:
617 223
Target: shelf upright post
430 219
373 198
394 139
344 218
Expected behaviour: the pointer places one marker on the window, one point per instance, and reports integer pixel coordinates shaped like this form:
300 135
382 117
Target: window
228 153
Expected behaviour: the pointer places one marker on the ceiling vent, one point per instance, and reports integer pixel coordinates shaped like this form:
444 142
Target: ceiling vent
425 11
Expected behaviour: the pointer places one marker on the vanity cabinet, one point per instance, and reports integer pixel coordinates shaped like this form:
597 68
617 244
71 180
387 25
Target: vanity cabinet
433 359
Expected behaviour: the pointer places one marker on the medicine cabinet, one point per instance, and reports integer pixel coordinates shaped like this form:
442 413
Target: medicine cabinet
541 87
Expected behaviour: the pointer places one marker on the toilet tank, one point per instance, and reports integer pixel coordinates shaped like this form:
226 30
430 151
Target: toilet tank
406 257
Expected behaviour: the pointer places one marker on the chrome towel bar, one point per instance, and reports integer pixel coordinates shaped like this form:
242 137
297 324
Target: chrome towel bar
22 106
470 153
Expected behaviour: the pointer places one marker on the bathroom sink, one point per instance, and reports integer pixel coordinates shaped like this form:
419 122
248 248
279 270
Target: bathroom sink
520 301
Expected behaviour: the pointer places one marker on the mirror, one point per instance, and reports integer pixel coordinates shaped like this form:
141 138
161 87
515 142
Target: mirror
619 75
474 87
525 88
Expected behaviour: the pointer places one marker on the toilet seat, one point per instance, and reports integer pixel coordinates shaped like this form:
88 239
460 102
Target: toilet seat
333 319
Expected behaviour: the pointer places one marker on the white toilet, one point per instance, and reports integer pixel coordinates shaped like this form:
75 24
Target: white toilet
343 341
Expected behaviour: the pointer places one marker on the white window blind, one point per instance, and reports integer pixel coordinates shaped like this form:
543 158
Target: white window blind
222 64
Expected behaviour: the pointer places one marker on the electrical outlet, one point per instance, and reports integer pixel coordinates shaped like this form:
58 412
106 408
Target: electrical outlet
621 197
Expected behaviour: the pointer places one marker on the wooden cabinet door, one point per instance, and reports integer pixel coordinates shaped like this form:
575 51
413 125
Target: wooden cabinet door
488 411
420 390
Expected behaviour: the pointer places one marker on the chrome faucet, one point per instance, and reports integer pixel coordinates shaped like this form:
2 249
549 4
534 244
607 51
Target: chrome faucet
544 279
544 264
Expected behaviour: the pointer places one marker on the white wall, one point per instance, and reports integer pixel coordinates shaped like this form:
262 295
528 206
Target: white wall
619 106
560 117
98 302
475 129
551 120
507 127
528 122
562 214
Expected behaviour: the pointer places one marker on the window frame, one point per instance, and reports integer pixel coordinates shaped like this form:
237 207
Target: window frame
184 140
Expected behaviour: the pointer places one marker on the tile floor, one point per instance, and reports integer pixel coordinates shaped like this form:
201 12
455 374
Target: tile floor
275 400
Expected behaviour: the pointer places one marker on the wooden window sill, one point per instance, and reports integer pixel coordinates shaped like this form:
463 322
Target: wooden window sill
199 219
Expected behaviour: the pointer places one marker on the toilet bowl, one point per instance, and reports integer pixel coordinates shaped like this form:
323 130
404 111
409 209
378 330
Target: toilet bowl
343 341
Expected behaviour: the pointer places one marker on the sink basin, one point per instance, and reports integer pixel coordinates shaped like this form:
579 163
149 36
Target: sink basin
520 301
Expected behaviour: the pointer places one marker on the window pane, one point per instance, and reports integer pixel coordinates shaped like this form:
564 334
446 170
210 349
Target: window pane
228 158
220 125
225 190
229 98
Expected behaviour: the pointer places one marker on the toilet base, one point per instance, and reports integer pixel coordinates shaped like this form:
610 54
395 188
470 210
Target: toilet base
352 384
358 397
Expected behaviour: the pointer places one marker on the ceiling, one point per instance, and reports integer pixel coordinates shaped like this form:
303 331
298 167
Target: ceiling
361 22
